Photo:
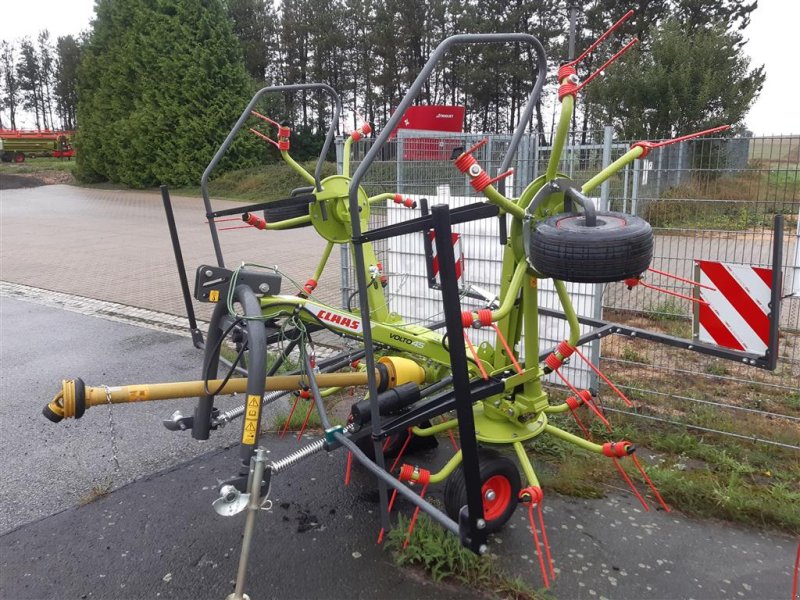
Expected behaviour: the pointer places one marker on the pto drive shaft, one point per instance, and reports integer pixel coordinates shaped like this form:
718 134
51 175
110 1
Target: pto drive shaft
75 396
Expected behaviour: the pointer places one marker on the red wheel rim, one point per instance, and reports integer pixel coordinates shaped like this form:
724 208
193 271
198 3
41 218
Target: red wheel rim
496 493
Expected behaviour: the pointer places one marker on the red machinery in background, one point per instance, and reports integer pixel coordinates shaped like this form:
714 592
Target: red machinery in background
15 144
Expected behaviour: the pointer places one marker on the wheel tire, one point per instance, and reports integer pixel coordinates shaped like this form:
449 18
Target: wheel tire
19 157
618 247
287 212
417 444
500 487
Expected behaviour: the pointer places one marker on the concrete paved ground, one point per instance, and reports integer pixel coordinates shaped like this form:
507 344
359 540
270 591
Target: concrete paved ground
114 245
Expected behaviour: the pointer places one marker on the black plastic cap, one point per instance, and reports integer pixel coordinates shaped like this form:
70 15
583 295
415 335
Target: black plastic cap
50 415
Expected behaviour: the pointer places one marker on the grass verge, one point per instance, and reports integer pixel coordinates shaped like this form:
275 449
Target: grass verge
35 166
98 491
442 556
700 475
262 183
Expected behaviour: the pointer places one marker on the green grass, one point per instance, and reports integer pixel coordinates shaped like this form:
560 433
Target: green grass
32 166
299 415
264 183
98 491
632 355
443 557
701 475
666 310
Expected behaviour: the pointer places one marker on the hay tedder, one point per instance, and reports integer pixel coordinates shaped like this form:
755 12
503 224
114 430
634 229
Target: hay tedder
492 395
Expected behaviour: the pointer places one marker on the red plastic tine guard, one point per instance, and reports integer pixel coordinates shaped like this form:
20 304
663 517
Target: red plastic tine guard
283 132
647 146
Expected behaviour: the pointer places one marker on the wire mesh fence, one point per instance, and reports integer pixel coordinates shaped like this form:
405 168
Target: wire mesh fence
710 199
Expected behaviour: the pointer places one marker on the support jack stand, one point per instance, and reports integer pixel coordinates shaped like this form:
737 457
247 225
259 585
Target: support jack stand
233 502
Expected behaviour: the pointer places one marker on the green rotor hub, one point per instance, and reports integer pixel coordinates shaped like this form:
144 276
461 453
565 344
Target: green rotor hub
335 198
493 431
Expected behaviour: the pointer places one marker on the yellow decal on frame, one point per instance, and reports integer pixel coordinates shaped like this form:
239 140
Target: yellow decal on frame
251 419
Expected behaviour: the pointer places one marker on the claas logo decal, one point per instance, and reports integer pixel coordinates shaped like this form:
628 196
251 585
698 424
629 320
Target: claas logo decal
342 321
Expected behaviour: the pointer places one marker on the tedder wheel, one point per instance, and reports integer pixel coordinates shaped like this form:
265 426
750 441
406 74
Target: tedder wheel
19 157
500 487
565 248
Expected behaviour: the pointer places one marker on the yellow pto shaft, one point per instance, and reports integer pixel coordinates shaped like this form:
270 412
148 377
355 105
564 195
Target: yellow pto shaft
75 396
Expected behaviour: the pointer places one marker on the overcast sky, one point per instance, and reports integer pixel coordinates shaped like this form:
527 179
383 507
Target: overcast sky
772 35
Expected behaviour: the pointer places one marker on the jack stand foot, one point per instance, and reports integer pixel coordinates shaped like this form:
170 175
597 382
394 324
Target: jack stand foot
258 466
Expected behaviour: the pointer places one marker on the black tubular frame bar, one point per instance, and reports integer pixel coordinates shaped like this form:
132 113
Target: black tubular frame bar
470 462
337 111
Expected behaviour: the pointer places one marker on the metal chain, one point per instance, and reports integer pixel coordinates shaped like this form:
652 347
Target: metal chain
112 427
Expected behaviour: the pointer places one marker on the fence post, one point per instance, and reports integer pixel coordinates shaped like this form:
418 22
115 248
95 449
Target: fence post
605 187
521 174
399 160
625 189
796 266
658 173
597 312
637 167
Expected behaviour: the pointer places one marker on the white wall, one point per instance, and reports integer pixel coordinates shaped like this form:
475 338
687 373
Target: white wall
410 296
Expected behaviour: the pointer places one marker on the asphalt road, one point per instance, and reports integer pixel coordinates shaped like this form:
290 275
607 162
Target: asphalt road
49 467
157 536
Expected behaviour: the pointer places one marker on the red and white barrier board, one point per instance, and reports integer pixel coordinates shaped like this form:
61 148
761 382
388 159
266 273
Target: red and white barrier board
458 252
737 313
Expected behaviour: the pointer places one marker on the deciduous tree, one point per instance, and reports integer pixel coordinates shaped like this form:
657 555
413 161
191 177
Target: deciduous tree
687 80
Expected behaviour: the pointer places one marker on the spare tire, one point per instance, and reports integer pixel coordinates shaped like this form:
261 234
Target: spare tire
565 248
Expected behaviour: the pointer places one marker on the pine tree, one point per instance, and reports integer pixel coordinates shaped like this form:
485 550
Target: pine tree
255 25
46 75
159 85
68 55
29 79
9 82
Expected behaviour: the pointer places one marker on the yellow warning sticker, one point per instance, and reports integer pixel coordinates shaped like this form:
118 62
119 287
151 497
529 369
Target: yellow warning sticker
213 296
251 419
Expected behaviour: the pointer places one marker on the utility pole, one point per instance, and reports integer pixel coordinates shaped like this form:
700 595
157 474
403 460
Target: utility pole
573 17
